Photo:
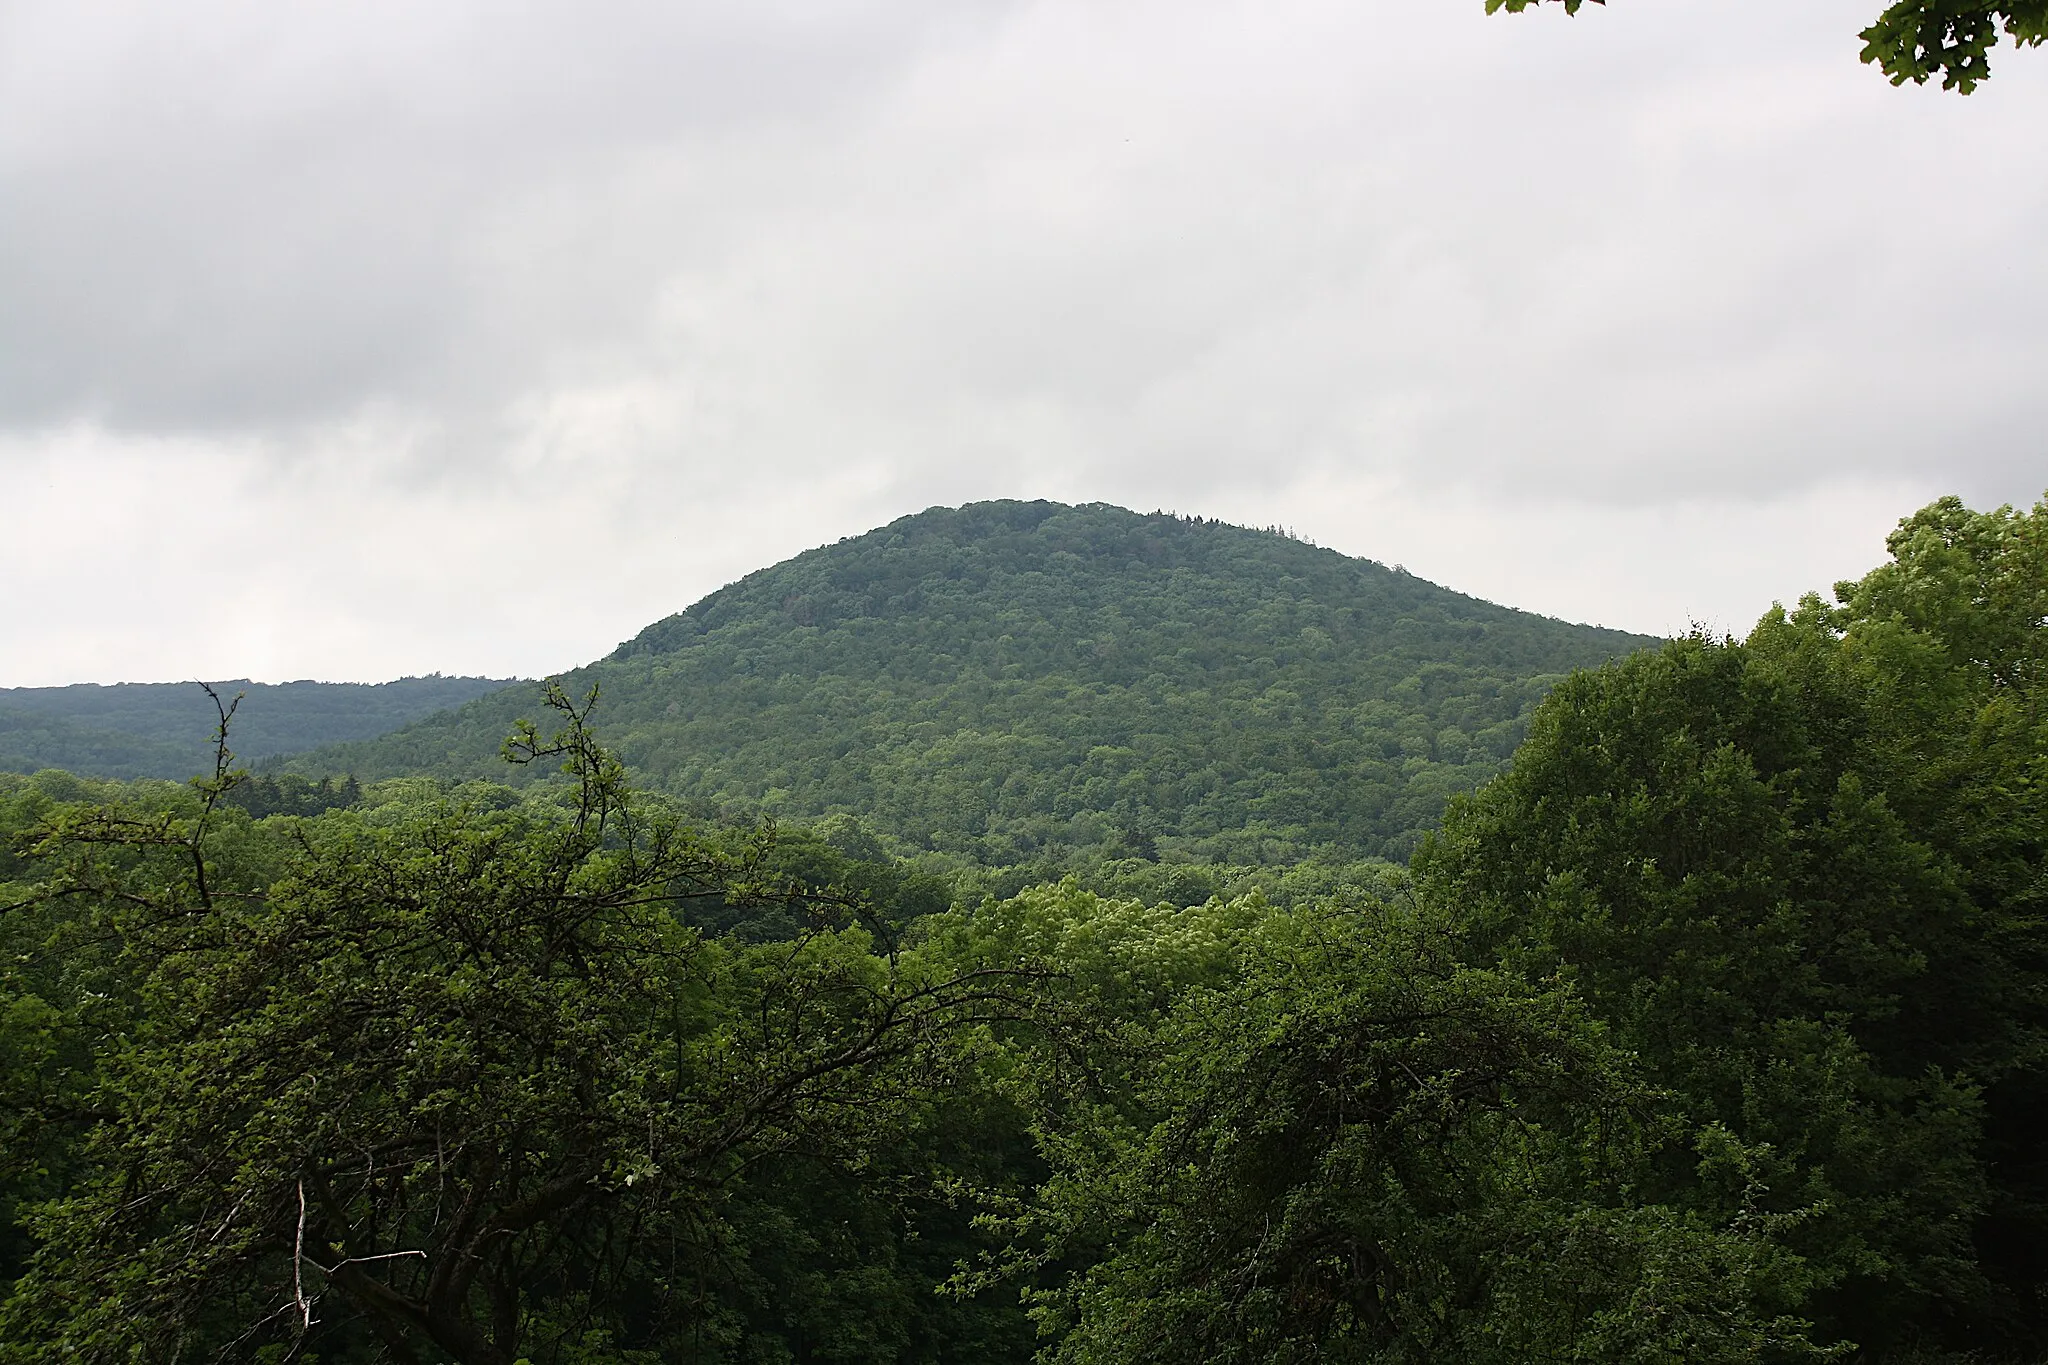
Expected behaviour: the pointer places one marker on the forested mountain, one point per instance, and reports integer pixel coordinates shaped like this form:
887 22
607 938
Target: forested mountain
166 729
1008 681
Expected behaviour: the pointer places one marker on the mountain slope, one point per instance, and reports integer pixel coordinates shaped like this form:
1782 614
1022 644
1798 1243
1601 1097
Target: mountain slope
1007 680
166 729
32 741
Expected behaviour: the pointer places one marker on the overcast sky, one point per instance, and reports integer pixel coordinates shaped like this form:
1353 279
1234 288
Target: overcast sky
358 340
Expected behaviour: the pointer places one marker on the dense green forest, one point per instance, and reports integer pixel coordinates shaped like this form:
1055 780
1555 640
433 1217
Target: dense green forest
161 729
1713 1029
1030 683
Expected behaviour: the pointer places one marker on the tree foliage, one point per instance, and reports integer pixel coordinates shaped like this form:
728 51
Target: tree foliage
1917 40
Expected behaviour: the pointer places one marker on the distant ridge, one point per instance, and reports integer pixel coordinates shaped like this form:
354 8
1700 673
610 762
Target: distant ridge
1016 680
128 730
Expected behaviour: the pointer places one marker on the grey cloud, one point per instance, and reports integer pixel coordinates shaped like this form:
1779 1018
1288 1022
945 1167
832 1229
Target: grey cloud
235 216
1615 253
709 283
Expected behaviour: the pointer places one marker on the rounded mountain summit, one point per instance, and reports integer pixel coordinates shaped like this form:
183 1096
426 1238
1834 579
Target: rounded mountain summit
1008 681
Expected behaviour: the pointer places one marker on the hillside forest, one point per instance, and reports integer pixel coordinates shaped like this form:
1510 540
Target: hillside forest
161 729
1030 685
1199 948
